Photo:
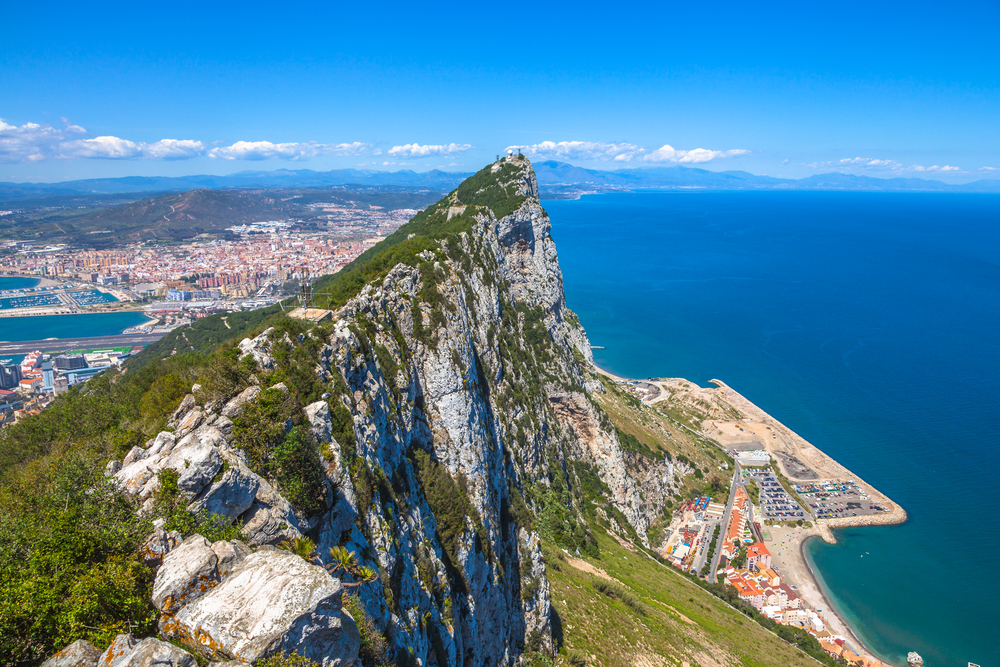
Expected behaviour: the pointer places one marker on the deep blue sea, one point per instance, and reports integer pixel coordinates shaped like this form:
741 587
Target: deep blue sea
867 322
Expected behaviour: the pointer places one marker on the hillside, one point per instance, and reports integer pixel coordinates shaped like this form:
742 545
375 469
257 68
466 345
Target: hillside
477 492
103 221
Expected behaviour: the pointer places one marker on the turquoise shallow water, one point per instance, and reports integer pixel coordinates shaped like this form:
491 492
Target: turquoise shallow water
867 322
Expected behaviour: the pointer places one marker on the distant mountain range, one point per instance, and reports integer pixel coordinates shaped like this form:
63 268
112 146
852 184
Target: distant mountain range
552 173
555 177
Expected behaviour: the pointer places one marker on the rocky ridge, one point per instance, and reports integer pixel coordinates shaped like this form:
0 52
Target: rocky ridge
465 380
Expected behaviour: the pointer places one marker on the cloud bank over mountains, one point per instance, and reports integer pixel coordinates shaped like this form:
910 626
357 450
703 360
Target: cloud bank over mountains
34 142
621 152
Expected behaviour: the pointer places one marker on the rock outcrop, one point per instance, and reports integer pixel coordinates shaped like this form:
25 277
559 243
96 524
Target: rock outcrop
272 601
454 395
80 653
125 651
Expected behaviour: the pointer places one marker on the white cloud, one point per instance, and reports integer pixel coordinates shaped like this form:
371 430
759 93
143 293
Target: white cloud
100 147
668 153
174 149
621 152
416 150
265 150
580 150
877 164
987 169
32 142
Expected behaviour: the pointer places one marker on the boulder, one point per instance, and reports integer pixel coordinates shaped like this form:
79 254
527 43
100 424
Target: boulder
135 454
185 407
80 653
191 421
151 652
320 425
270 518
233 407
259 348
195 457
119 649
232 493
158 544
274 601
187 573
112 468
230 555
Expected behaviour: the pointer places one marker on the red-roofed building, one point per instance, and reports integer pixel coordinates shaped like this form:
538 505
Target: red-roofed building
757 554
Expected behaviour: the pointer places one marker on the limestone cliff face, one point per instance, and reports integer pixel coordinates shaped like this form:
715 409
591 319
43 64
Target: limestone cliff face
497 403
465 376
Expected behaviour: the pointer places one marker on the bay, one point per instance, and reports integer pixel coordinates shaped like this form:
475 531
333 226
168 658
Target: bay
62 326
868 323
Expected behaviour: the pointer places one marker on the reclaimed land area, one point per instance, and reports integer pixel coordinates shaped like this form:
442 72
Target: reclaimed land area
723 419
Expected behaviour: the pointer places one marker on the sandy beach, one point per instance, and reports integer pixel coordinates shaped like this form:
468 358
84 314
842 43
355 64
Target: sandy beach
799 461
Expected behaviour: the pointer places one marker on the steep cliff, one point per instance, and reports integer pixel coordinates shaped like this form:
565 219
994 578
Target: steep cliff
447 427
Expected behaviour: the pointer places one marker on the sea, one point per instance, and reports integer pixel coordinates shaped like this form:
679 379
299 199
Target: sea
867 322
61 326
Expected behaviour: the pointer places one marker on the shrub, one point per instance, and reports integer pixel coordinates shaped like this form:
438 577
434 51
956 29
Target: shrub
299 472
375 650
68 566
618 592
260 427
286 660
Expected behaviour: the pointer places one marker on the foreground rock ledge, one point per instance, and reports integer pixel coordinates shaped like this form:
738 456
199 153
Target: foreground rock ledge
273 601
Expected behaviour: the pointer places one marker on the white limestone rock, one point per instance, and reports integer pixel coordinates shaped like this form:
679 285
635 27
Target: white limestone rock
273 601
187 573
270 519
320 425
126 652
158 544
230 555
260 349
233 407
187 404
80 653
233 493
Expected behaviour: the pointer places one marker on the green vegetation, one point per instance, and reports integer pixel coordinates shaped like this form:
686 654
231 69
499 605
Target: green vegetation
683 622
483 190
286 660
448 499
375 650
299 473
67 562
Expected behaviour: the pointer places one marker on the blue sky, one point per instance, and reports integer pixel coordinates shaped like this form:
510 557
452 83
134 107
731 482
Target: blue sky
790 89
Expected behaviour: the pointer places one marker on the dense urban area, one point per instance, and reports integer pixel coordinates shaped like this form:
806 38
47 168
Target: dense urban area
253 265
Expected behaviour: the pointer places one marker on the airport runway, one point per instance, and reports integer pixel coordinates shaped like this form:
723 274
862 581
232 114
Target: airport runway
66 344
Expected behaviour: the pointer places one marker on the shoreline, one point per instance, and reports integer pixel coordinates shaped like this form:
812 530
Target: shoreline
789 555
827 598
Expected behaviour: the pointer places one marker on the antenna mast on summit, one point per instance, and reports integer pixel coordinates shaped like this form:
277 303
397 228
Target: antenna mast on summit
305 290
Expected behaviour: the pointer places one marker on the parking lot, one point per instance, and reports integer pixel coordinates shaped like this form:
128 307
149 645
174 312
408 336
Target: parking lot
837 498
775 503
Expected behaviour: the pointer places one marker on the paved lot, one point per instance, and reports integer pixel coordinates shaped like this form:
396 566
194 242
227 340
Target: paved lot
775 503
837 498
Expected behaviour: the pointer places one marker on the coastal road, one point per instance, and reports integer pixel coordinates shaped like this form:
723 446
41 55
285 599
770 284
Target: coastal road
64 344
717 556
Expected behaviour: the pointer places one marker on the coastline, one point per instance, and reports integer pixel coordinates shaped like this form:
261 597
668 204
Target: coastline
789 554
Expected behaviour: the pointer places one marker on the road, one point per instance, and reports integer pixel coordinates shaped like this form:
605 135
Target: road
64 344
717 556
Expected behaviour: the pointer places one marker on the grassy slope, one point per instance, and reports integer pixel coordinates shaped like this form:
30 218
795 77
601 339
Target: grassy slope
682 625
